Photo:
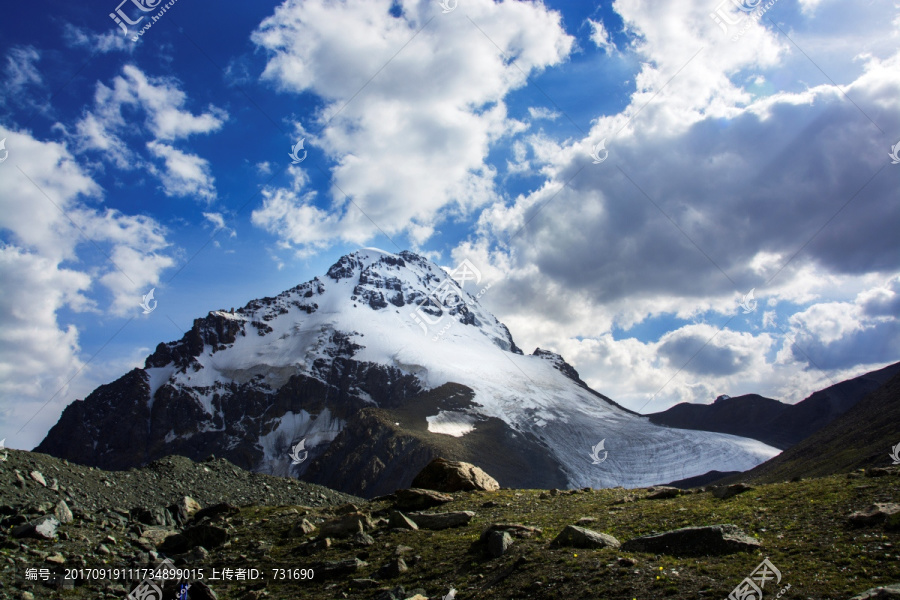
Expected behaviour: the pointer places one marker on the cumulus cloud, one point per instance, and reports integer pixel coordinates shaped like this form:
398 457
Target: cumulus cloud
52 228
413 103
600 36
104 128
715 184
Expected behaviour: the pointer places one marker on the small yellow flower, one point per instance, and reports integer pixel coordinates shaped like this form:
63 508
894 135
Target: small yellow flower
575 555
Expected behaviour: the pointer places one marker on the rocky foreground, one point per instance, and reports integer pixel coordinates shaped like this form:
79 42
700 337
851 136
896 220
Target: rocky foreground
178 529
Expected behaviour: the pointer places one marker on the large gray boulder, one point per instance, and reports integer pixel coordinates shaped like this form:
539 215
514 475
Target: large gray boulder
579 537
442 475
713 540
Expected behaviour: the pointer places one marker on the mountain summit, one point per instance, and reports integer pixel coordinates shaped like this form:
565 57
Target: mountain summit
382 364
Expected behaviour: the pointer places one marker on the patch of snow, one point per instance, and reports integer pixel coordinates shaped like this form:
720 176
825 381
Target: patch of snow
451 422
156 378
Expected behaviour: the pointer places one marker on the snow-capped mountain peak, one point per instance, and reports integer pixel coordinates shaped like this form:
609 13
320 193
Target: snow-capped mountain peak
388 332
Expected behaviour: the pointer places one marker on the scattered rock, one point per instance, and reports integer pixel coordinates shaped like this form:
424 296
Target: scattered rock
56 559
712 540
884 592
208 536
498 542
444 475
882 471
663 492
361 539
442 520
394 568
347 525
875 514
401 521
514 529
579 537
724 492
157 535
585 521
304 527
418 499
624 561
337 568
43 528
36 475
62 512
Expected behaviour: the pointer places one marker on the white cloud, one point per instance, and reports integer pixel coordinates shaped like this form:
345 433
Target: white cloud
742 175
185 175
109 41
218 223
49 217
105 129
600 36
411 143
540 112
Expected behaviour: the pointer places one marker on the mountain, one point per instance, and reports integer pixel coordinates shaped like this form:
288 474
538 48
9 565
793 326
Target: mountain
770 421
377 367
862 437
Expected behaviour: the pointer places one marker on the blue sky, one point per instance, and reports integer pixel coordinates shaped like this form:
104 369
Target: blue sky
755 157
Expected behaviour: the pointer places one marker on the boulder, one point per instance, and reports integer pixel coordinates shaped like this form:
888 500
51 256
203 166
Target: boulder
579 537
62 512
347 525
304 527
43 528
400 521
876 514
338 568
157 535
394 568
514 529
442 520
713 540
158 516
208 536
662 492
443 475
880 593
418 499
498 542
724 492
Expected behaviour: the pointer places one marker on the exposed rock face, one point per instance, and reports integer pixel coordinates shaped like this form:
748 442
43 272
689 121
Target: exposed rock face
886 592
451 476
579 537
713 540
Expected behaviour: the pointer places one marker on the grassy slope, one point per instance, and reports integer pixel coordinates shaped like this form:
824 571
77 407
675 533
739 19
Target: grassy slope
862 437
802 527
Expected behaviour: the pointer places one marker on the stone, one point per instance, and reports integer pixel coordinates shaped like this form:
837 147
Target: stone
36 475
442 520
498 542
712 540
724 492
157 535
44 528
879 593
338 568
579 537
56 559
361 539
875 514
401 521
394 568
188 505
418 499
514 529
585 521
62 512
152 516
663 492
304 527
347 525
443 475
208 536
